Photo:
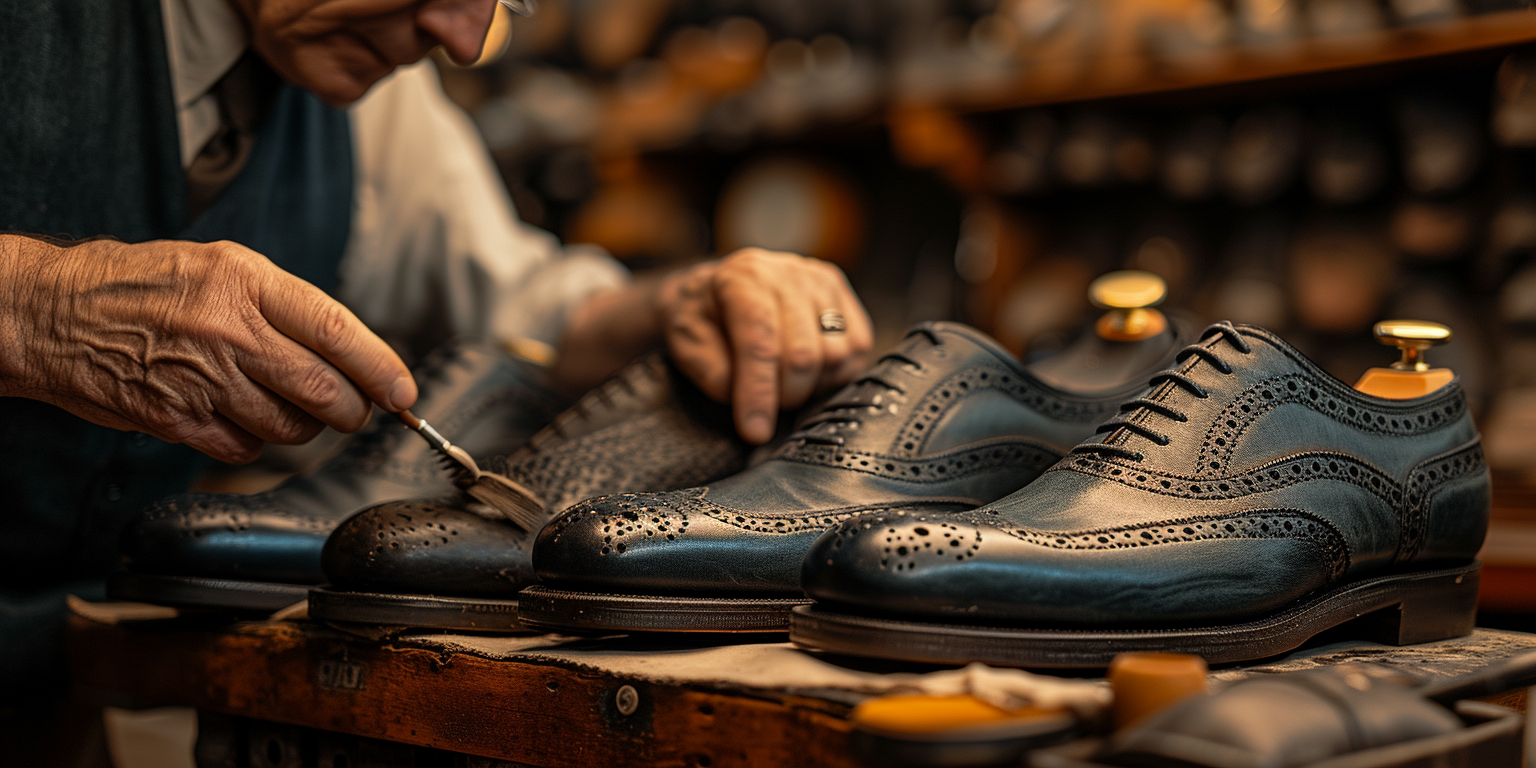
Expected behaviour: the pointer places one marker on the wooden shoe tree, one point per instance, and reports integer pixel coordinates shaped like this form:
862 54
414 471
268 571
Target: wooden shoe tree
1130 296
1409 377
1127 338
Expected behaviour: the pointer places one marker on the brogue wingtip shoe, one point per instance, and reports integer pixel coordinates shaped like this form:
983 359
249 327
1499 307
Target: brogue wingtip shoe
1246 484
947 421
398 546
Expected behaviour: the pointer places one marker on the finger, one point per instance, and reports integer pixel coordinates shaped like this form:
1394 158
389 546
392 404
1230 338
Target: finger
857 340
300 377
843 353
835 348
751 319
223 440
305 314
702 353
801 364
264 414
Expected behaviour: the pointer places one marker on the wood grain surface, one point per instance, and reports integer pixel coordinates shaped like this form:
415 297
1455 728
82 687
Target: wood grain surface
538 714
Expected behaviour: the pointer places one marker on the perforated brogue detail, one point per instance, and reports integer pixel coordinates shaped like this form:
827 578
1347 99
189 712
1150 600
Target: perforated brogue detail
1270 476
657 451
1407 499
197 515
913 539
1423 480
1327 399
1020 456
407 525
627 518
939 400
929 539
1290 524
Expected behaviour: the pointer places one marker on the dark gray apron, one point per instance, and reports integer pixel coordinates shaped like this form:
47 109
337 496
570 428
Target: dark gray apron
89 146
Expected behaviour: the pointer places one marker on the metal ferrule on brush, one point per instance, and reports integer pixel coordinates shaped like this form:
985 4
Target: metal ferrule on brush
438 441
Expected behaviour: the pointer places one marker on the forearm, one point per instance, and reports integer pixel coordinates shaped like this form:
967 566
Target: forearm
608 330
24 260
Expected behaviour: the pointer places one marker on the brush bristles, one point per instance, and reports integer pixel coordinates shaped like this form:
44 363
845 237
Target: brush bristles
463 459
519 505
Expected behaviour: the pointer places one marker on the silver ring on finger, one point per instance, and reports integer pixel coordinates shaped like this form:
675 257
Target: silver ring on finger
832 322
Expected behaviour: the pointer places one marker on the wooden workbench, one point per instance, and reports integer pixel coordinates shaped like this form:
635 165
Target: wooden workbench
553 701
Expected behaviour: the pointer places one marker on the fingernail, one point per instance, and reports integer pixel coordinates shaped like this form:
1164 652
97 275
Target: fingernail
403 394
759 427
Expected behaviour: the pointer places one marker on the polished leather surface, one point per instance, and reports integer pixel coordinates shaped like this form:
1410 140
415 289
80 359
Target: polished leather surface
946 422
1284 720
485 400
648 428
442 547
1245 482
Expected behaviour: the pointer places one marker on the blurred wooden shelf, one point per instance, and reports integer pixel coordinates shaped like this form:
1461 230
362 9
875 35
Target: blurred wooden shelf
1057 81
1509 555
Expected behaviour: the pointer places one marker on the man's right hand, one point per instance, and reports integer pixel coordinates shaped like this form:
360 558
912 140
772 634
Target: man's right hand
211 345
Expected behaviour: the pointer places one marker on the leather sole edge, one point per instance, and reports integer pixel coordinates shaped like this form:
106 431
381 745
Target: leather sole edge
204 594
1398 609
559 610
416 611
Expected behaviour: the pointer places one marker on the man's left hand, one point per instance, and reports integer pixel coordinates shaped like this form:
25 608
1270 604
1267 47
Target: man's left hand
747 329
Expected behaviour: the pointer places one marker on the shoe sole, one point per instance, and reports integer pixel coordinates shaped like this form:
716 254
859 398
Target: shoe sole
562 610
197 593
418 611
1402 609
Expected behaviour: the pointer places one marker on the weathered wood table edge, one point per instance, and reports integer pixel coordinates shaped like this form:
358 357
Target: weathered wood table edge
539 712
540 704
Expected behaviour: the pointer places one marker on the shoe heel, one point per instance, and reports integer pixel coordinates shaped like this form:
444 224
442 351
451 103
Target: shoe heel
1437 606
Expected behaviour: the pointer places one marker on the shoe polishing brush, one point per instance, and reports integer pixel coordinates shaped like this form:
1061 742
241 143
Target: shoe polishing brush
518 504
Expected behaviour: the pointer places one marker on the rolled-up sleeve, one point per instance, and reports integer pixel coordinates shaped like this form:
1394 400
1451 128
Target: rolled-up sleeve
436 248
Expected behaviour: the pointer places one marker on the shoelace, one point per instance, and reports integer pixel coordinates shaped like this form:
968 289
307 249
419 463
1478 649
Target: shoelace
846 408
1130 410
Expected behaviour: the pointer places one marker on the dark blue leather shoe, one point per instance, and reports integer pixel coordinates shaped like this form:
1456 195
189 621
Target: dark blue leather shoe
261 552
1249 502
946 422
451 563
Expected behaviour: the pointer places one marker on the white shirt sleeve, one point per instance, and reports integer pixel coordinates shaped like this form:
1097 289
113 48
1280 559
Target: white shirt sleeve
436 248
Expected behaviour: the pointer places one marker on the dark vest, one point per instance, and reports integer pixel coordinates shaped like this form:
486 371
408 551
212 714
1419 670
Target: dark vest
88 146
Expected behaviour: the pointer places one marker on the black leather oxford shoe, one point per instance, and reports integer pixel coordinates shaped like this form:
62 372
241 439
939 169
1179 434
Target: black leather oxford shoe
262 551
1249 502
452 563
946 422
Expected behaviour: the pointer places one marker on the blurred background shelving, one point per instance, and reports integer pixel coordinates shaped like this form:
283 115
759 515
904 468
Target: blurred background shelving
1308 165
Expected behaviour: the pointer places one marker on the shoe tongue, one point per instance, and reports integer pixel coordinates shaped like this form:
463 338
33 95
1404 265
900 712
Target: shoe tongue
966 332
938 349
1174 395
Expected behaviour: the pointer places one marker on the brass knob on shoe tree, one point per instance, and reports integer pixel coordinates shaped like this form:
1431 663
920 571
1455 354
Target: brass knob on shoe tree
1129 295
1413 337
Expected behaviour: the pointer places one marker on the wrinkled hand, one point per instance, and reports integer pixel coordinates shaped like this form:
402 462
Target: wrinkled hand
747 329
211 345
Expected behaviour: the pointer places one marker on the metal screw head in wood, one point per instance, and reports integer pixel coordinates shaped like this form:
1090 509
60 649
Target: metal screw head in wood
1413 337
627 700
1129 295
